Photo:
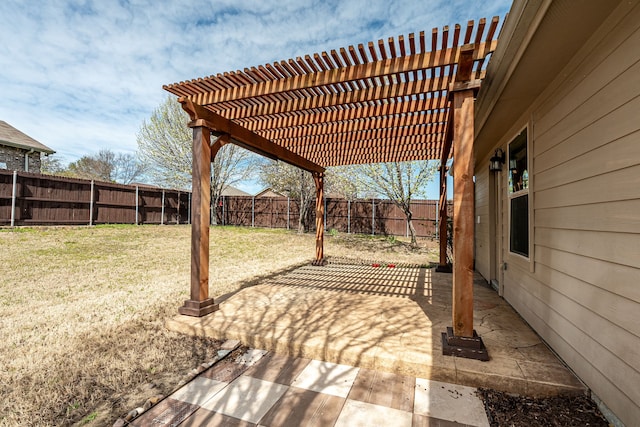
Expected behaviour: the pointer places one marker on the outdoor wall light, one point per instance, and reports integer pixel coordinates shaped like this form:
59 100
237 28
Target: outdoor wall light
495 163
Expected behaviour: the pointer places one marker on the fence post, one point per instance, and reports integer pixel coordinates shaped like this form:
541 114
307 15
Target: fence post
325 213
91 202
373 217
288 212
162 212
14 192
137 204
348 216
253 211
178 209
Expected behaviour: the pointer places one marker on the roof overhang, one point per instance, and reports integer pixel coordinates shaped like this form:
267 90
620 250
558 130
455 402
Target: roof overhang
44 150
537 41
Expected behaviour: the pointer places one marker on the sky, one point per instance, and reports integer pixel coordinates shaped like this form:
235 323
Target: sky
80 76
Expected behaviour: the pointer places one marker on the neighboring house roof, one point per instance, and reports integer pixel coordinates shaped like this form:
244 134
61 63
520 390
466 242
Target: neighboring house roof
233 191
12 137
269 192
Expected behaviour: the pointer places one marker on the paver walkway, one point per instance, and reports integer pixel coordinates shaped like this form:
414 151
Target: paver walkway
267 389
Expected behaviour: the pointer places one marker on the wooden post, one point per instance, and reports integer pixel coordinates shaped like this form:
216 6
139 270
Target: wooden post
443 265
200 304
14 194
318 178
91 202
463 204
373 217
162 210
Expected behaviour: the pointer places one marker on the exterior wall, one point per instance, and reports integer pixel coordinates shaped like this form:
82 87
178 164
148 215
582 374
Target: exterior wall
14 159
483 223
580 290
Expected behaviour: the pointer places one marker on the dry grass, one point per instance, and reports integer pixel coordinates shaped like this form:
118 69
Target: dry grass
82 310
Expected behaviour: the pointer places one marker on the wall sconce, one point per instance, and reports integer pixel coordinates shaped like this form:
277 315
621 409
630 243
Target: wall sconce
495 163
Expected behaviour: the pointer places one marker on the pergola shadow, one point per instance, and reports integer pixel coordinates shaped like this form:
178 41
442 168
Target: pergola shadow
383 317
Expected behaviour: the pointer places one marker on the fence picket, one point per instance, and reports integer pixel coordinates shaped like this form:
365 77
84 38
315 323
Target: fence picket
50 200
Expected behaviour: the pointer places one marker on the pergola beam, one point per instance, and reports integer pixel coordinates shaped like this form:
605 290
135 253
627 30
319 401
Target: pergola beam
378 69
273 105
239 135
350 112
369 123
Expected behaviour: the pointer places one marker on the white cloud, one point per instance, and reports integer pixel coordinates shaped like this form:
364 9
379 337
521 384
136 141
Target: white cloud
83 75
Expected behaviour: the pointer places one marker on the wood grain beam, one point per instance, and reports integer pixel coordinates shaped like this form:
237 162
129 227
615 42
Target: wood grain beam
350 126
274 105
200 116
353 138
343 113
376 69
463 216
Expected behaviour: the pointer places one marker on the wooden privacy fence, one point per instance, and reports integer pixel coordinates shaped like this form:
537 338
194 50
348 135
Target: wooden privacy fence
33 199
380 217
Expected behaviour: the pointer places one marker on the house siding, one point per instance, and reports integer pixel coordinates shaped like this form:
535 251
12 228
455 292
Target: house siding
13 158
581 288
483 223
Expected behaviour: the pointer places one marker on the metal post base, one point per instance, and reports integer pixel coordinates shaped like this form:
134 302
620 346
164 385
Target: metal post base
198 308
446 268
467 347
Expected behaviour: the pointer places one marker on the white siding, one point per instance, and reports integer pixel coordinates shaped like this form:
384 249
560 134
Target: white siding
582 294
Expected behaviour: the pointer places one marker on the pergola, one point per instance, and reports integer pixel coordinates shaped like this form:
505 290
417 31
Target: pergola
410 98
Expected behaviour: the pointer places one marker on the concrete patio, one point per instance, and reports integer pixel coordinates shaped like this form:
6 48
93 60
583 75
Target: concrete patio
386 318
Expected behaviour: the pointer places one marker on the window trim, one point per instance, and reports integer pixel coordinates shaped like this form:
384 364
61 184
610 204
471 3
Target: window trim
526 191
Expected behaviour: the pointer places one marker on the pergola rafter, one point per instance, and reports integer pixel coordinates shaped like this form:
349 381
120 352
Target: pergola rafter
403 99
403 75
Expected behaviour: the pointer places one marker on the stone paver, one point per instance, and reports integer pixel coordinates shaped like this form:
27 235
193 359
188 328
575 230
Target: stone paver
282 391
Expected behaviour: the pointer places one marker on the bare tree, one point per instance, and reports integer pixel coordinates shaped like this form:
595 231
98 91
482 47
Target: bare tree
105 165
399 182
51 165
127 169
295 183
165 147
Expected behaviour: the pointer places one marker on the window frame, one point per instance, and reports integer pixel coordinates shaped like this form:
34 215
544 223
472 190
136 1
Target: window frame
511 195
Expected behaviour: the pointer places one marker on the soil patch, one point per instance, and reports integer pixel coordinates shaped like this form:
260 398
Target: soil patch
505 409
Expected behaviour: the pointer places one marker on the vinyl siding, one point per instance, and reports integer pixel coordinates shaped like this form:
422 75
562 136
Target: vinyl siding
482 241
582 294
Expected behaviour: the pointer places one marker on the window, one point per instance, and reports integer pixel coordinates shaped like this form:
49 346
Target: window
518 188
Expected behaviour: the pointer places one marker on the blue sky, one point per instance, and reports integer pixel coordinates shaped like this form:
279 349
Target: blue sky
80 76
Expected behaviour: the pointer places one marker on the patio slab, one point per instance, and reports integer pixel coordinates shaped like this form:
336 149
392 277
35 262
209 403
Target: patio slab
387 319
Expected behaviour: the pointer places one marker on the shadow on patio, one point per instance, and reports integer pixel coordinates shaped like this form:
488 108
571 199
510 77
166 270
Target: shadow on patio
384 318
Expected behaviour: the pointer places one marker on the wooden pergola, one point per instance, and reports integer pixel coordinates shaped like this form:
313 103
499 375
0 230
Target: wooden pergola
410 98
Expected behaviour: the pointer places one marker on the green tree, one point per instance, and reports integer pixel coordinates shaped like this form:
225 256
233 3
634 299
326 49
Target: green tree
165 147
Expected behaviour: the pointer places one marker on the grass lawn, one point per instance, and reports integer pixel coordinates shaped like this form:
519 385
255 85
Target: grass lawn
82 309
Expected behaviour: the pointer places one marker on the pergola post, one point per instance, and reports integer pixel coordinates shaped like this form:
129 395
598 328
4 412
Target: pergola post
200 304
463 205
443 265
461 339
318 179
